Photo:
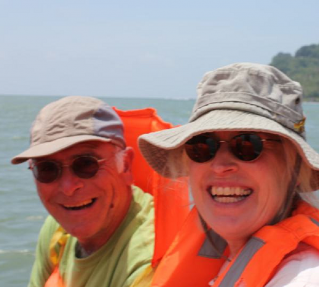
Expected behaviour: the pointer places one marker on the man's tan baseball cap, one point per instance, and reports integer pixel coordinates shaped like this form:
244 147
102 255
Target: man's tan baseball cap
69 121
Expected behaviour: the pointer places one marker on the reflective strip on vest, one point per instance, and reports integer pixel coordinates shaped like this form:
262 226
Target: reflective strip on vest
314 221
209 250
233 274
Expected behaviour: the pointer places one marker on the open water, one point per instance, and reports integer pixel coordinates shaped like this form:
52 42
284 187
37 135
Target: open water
21 213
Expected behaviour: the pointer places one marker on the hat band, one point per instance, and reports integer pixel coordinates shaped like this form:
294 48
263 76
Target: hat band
252 104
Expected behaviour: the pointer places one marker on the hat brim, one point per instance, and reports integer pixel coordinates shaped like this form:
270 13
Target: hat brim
159 146
49 148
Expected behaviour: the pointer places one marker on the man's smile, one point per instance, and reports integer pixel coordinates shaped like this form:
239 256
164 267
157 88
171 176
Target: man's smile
79 206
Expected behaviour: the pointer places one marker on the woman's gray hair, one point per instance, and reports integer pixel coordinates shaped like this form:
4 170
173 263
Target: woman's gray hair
305 177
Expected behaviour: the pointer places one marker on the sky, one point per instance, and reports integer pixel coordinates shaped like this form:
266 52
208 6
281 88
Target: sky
141 48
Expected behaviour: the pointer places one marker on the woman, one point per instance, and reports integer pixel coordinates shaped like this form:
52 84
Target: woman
250 171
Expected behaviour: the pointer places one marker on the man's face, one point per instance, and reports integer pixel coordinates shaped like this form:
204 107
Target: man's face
92 208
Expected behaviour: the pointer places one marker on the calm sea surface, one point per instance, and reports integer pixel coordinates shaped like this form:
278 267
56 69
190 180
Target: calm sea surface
21 213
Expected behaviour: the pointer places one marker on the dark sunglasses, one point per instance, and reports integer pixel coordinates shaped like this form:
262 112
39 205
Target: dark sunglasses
246 147
48 171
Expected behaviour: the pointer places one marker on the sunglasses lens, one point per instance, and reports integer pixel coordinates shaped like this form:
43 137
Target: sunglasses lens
201 148
85 166
246 147
46 171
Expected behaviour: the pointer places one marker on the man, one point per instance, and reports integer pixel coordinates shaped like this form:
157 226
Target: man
101 230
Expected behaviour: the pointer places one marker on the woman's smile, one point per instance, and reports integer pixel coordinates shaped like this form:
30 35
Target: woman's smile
228 194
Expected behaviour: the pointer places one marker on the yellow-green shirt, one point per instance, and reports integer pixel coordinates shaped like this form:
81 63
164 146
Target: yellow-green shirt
127 253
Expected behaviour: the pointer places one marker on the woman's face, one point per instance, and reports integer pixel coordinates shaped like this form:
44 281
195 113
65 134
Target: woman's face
236 198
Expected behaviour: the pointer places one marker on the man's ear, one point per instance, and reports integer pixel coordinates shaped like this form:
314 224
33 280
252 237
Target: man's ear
127 165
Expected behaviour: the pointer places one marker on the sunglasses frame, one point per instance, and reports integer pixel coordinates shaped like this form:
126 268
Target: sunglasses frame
217 143
61 166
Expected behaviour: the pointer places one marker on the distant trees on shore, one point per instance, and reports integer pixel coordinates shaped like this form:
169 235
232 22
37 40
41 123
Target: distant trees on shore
303 67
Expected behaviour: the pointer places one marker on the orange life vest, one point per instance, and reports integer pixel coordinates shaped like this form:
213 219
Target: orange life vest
171 201
255 264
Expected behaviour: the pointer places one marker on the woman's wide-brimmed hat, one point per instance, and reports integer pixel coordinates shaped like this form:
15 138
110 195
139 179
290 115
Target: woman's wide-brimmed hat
242 96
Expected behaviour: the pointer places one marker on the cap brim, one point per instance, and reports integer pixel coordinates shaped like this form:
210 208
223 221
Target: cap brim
49 148
159 146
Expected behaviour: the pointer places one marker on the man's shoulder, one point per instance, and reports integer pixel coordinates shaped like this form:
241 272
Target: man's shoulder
136 239
143 204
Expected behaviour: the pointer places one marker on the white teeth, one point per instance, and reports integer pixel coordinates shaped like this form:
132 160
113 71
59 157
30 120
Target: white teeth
229 194
79 205
228 199
227 191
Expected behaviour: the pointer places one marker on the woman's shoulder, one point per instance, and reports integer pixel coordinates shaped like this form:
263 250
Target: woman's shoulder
299 268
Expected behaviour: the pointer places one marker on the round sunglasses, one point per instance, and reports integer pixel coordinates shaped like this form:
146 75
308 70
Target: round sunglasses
47 171
246 147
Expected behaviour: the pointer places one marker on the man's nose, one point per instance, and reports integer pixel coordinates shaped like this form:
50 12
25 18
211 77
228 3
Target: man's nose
69 182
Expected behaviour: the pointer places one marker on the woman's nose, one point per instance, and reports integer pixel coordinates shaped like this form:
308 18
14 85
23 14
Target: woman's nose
224 162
